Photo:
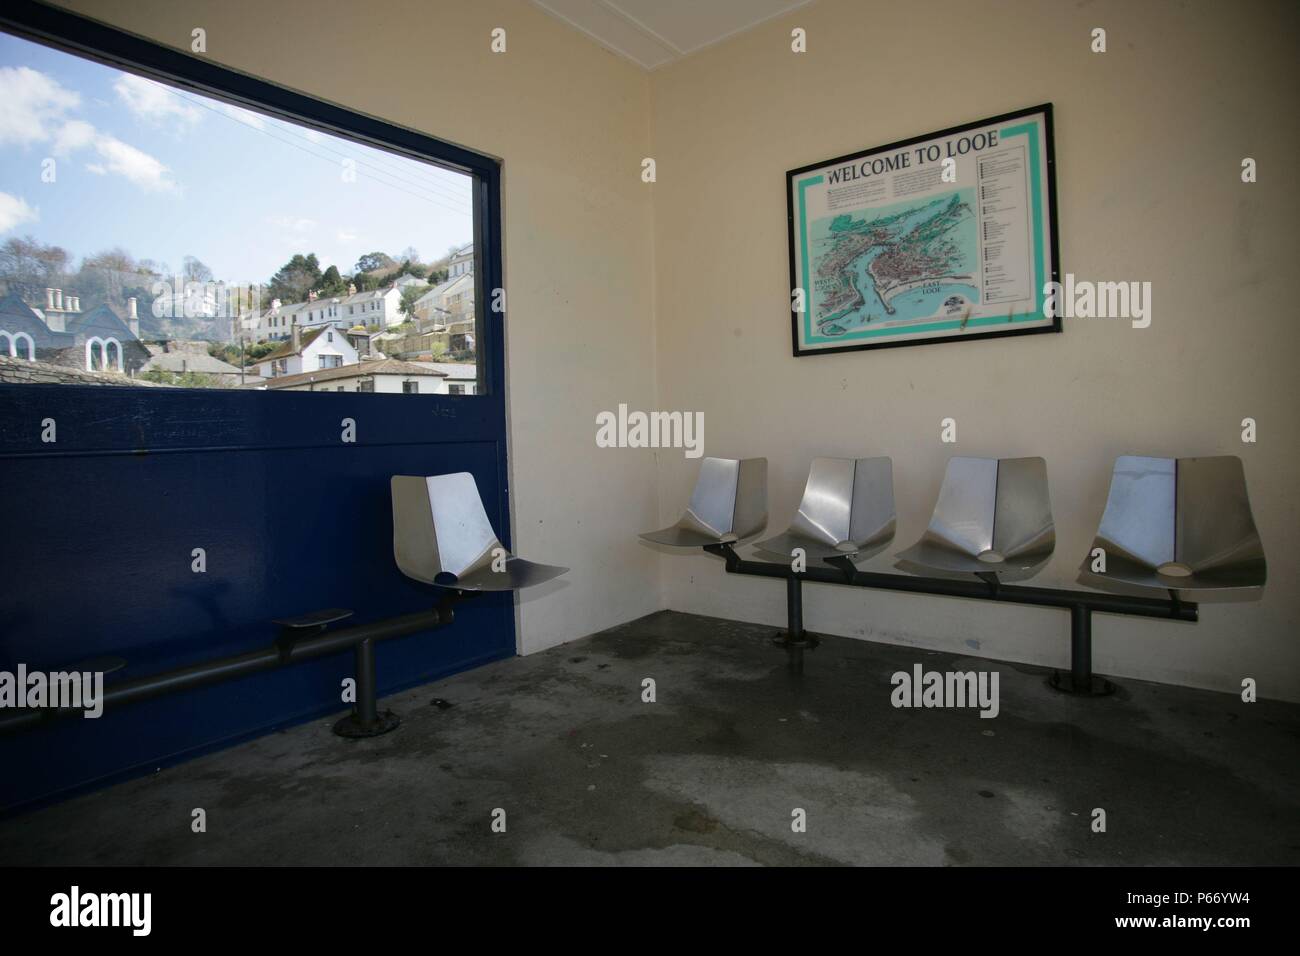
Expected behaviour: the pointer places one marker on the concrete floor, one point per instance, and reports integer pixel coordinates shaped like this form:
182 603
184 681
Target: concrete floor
710 773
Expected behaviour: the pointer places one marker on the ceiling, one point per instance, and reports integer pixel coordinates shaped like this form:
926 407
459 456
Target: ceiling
653 33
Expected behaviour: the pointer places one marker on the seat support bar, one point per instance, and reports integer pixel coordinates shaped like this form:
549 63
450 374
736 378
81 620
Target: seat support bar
1081 604
365 719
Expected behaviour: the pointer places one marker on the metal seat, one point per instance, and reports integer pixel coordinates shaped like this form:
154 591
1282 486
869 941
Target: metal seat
993 515
729 503
1179 524
847 509
441 536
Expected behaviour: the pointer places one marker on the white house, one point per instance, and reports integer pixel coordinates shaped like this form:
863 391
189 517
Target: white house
461 261
379 307
447 302
461 377
313 350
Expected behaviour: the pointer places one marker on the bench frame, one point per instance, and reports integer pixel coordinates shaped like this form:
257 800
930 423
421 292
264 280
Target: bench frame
1079 679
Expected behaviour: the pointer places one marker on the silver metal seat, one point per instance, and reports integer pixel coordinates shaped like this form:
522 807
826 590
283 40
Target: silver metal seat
847 509
442 536
1179 524
993 515
729 503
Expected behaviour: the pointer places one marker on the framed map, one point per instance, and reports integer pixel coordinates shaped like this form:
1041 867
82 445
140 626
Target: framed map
946 236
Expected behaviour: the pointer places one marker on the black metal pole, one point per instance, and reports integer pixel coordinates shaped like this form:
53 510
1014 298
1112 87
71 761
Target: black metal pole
794 607
794 639
1080 647
367 707
1081 680
365 719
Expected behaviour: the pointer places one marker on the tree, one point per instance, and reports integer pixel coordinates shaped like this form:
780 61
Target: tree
332 284
409 254
112 276
295 279
365 282
195 271
373 261
409 295
29 268
408 268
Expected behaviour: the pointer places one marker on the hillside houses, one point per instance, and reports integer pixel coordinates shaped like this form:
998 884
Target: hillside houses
317 349
448 302
378 307
461 261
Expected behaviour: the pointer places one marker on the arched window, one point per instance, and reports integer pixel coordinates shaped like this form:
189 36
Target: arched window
113 347
6 344
16 346
94 354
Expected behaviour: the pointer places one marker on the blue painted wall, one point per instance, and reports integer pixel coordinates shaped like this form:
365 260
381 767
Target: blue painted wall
100 526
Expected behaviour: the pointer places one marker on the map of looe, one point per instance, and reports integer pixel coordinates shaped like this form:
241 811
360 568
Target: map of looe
895 265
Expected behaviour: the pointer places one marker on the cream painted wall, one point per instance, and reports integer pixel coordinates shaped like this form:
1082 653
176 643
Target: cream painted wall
571 123
1149 140
673 296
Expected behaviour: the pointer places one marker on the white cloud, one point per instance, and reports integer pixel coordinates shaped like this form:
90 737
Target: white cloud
32 105
154 102
73 135
133 164
34 109
14 211
345 236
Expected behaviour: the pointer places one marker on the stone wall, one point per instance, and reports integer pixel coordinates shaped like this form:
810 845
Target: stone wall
16 371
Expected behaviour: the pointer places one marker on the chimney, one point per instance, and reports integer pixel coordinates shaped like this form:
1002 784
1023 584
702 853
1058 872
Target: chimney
296 337
76 304
49 300
132 319
58 300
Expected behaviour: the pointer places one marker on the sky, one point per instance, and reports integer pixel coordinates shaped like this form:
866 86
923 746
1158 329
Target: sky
166 173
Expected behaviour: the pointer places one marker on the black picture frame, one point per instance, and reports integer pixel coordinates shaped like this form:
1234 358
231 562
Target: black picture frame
1052 266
